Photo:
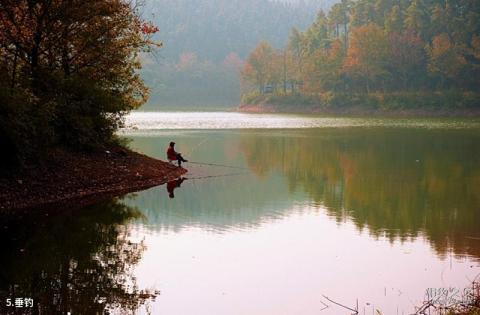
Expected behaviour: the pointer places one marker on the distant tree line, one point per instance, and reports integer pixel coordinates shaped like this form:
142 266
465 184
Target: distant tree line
68 73
375 47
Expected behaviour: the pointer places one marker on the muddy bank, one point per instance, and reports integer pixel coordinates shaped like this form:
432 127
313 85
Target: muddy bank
78 179
357 111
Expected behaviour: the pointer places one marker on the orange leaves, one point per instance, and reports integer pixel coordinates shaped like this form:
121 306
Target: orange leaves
406 50
97 40
232 60
446 58
16 23
259 67
476 46
367 53
147 28
336 49
322 68
261 55
441 44
368 44
352 60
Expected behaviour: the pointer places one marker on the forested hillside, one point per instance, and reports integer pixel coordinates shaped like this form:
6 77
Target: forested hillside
206 41
381 53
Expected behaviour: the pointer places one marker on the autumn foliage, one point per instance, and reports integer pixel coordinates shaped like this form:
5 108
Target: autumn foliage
376 47
68 72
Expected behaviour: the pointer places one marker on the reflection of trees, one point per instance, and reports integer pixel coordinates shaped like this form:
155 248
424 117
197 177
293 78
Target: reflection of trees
398 182
78 261
218 203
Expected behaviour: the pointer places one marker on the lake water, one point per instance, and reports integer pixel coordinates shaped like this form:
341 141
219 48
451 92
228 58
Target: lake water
292 213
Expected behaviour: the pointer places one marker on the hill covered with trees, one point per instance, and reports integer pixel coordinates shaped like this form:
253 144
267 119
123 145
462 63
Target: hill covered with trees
379 54
205 43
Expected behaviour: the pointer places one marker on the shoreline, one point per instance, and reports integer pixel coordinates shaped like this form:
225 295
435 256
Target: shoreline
358 111
80 179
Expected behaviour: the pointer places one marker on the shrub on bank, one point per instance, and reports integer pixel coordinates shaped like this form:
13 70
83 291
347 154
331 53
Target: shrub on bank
252 98
80 116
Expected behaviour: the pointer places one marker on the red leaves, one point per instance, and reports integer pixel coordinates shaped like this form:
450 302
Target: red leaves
232 60
147 28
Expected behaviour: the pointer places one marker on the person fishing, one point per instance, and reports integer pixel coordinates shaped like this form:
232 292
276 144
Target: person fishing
172 155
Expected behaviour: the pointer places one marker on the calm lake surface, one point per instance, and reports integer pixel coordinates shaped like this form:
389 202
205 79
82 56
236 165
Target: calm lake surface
367 211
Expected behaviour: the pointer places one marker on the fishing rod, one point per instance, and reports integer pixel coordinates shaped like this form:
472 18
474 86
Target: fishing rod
198 145
212 176
220 165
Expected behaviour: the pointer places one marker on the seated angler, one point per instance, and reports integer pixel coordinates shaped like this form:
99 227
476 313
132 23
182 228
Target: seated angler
172 155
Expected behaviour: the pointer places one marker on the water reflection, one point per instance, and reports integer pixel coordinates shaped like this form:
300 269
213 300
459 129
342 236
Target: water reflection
218 204
173 184
398 183
215 198
372 216
75 261
401 183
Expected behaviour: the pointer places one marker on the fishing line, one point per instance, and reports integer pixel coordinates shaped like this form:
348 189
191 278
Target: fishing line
220 165
213 176
198 145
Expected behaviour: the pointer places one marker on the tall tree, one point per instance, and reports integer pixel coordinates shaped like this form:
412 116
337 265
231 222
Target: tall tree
324 68
407 57
297 53
446 59
363 12
258 69
415 17
75 64
367 54
336 18
346 8
317 35
394 20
